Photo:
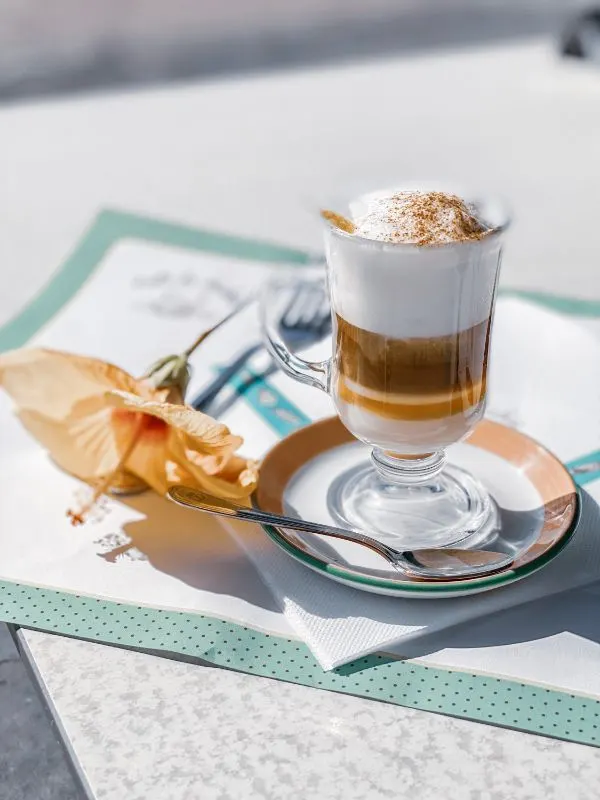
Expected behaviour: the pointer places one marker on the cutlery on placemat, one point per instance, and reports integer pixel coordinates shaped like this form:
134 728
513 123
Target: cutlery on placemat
582 469
438 563
305 320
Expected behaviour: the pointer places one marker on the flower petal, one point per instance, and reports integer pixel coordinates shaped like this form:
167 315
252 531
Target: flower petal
200 432
149 461
237 481
196 450
52 382
87 447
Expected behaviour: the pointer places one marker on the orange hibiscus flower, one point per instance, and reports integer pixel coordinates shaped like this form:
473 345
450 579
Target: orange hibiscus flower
121 433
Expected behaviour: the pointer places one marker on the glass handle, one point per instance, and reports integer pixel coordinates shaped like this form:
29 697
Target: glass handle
314 373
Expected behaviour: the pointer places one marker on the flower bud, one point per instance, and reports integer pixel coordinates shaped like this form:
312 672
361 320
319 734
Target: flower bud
168 372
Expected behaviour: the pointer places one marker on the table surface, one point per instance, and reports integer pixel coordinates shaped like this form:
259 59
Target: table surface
254 156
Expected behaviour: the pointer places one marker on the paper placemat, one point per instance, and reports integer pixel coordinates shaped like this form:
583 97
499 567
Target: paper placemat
534 383
248 647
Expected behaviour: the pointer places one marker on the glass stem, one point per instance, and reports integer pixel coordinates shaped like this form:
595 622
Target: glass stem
408 470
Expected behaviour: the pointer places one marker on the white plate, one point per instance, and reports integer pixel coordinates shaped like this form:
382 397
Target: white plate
536 496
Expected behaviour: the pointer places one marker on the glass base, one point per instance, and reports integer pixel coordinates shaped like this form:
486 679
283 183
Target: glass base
414 503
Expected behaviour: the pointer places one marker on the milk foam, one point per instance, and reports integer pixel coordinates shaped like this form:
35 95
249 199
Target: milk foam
415 217
405 291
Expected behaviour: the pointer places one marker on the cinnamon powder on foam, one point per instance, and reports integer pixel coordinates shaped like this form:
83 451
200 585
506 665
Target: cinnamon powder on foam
421 218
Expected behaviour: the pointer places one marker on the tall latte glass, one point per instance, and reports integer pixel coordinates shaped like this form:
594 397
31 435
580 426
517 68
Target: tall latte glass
408 372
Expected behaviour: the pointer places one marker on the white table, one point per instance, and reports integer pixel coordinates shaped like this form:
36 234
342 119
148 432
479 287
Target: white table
253 156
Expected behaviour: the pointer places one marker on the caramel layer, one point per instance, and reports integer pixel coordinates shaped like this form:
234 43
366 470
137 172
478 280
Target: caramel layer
415 407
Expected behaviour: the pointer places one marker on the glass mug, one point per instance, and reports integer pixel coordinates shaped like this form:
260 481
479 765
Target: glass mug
407 376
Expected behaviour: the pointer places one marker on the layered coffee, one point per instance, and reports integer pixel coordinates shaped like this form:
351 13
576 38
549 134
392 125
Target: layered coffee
412 379
412 323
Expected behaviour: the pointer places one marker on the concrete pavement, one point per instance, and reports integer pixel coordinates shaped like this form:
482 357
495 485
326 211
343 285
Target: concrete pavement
32 762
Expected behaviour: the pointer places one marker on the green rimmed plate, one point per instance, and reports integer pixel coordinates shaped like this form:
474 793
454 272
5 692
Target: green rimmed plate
537 498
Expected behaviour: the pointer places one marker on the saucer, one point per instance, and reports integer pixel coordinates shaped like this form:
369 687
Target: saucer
535 495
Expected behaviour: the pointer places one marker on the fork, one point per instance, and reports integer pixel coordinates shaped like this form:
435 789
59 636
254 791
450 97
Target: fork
305 320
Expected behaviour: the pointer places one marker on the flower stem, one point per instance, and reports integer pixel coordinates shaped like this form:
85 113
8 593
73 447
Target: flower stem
188 352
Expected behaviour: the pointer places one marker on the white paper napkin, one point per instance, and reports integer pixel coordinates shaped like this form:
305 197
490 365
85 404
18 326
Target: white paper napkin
545 379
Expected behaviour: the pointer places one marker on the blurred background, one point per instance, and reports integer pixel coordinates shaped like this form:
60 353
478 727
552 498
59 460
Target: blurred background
65 47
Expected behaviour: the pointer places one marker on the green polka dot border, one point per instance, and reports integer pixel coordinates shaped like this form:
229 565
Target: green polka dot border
379 677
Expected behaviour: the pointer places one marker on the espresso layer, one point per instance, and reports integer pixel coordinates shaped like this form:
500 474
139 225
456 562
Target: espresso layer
412 379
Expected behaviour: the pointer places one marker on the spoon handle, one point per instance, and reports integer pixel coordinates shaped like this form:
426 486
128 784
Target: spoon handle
193 498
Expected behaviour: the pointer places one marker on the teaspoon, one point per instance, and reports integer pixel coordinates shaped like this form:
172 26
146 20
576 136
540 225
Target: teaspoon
433 563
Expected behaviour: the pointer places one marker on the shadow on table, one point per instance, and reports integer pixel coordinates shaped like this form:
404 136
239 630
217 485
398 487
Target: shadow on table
568 611
193 547
524 619
573 610
197 550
